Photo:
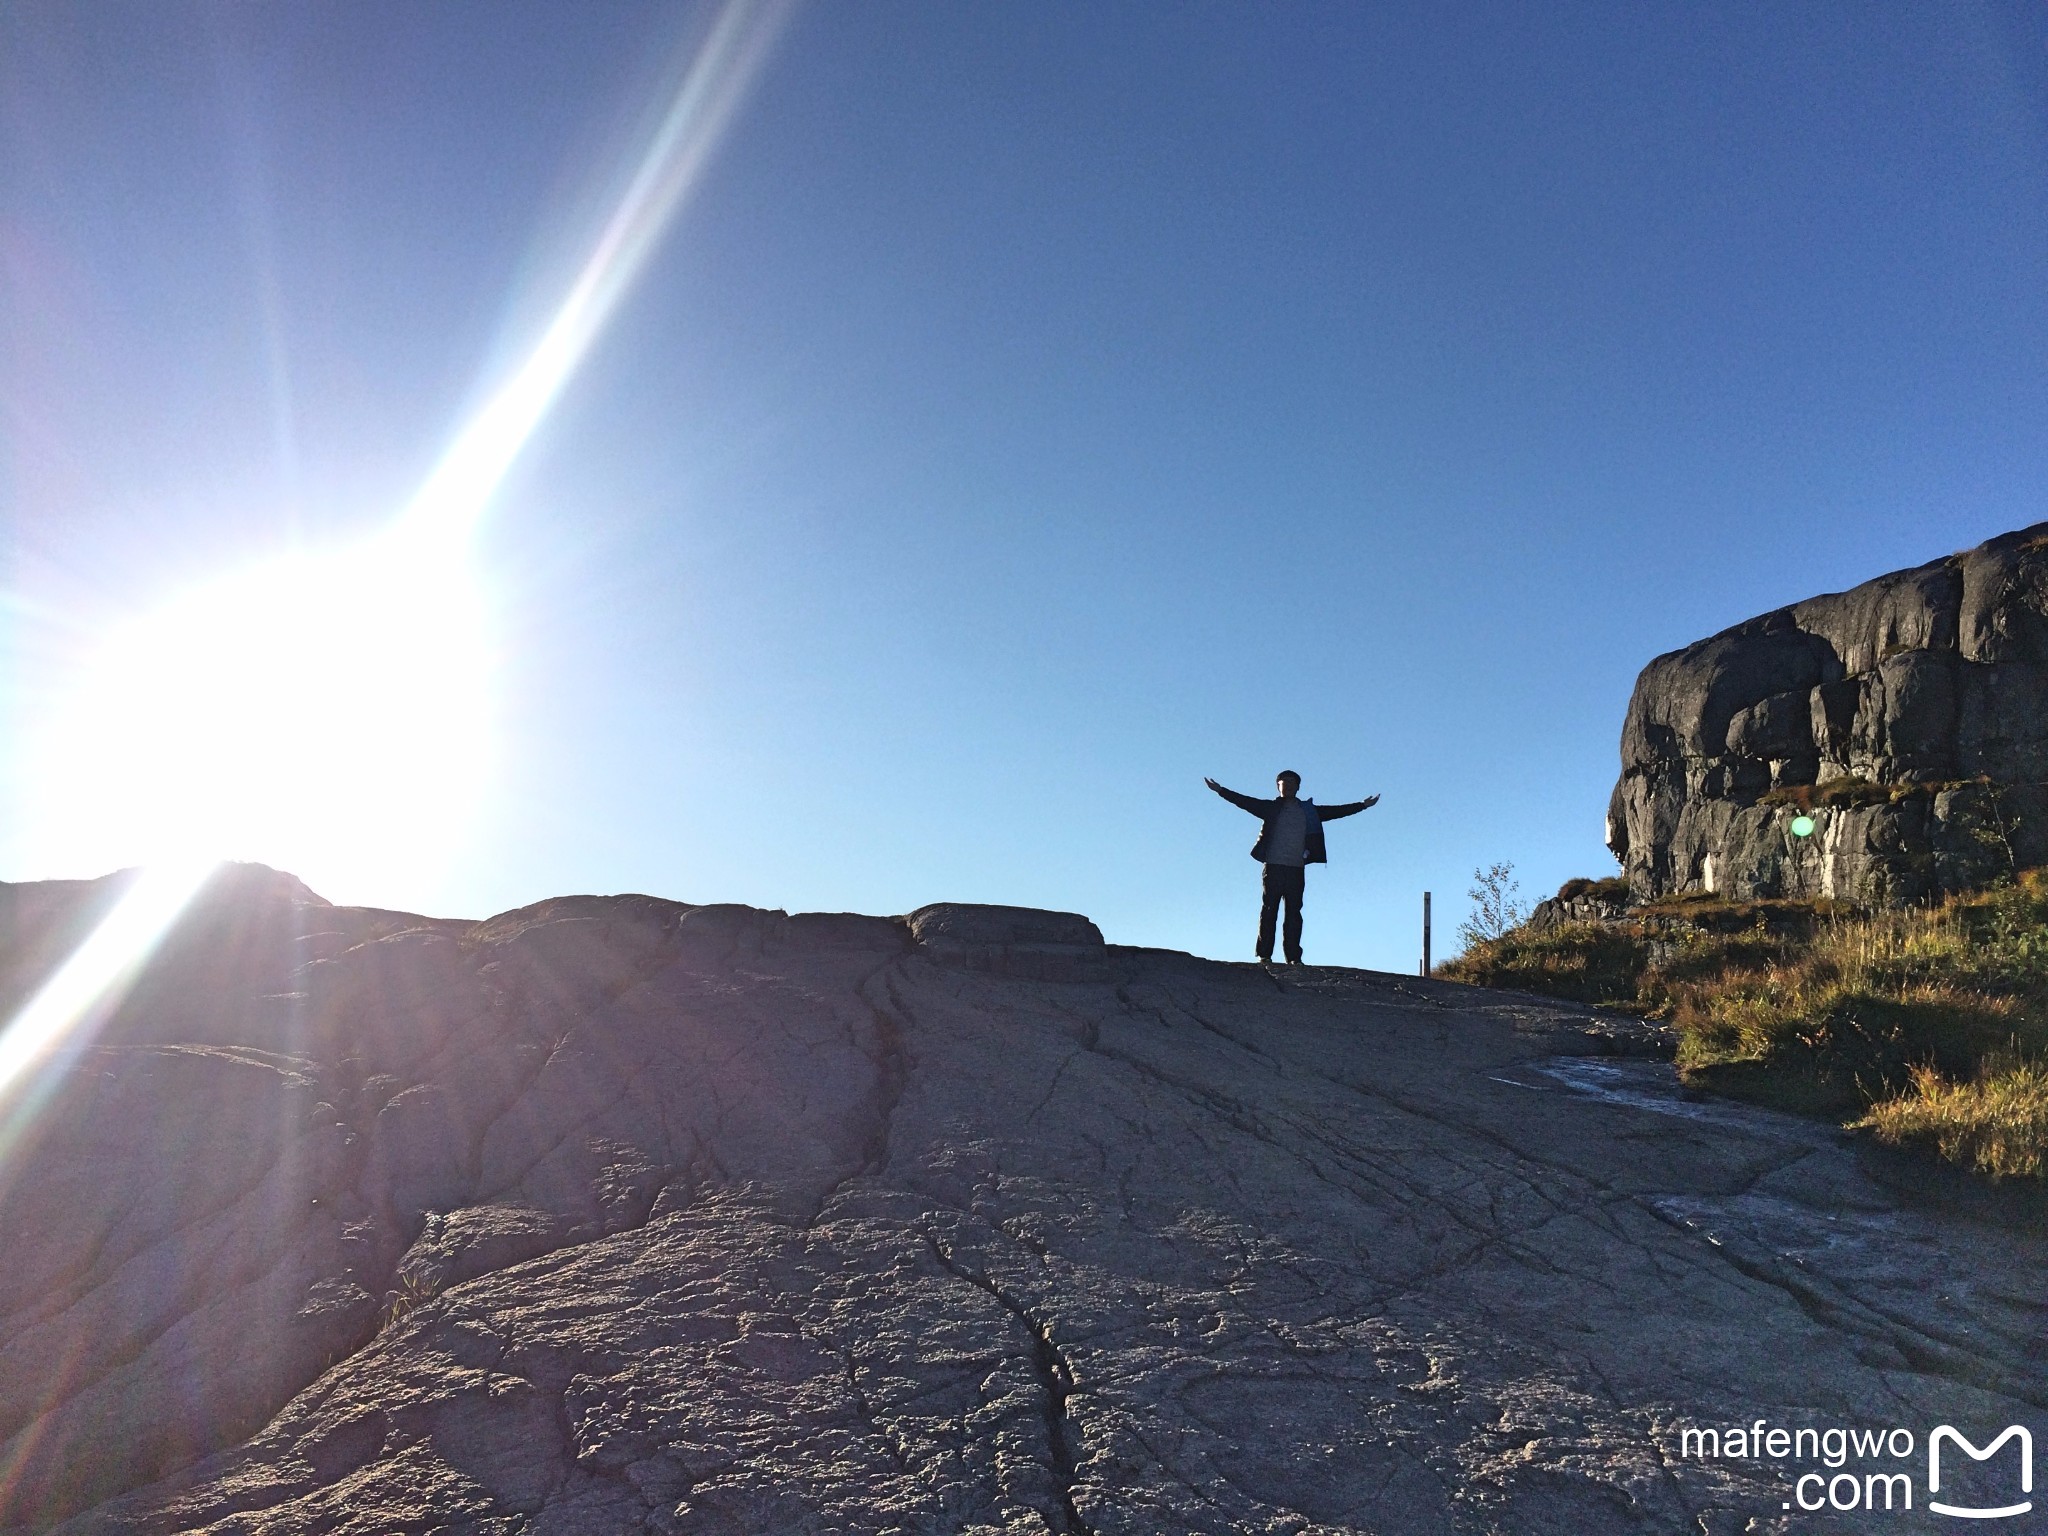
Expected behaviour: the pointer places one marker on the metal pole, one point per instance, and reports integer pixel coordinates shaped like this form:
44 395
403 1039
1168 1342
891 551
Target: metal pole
1425 933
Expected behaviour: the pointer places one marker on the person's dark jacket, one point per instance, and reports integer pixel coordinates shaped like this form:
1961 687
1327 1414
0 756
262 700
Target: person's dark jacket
1265 810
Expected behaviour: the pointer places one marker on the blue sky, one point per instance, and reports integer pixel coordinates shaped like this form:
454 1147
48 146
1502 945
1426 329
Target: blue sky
1033 409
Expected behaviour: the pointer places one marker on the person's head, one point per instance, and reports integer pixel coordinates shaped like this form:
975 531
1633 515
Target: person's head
1288 782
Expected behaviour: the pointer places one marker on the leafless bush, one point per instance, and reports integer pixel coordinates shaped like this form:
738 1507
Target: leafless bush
1495 909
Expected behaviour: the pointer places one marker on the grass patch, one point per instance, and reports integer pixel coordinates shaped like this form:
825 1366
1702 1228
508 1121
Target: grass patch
412 1293
1614 889
1842 793
1926 1027
1996 1124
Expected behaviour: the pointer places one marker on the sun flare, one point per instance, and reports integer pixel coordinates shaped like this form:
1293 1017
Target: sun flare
327 713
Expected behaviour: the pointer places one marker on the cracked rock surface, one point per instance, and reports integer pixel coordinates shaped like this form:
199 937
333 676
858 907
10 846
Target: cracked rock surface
620 1215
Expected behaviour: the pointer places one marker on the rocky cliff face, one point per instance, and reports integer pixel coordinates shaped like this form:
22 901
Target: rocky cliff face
621 1215
1907 718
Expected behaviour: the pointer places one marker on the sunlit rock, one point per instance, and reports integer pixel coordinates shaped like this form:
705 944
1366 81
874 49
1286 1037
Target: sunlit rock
1908 717
616 1214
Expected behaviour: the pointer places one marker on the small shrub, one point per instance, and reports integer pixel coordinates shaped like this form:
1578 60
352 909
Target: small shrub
1495 909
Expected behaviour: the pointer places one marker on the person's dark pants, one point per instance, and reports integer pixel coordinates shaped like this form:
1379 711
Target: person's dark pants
1283 882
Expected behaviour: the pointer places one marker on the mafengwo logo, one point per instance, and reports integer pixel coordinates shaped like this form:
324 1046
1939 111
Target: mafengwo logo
1946 1434
1871 1470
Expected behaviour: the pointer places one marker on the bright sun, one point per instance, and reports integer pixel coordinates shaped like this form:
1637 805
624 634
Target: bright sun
330 714
327 714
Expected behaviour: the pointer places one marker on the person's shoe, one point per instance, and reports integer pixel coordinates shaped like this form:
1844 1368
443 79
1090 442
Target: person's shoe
1265 959
1294 960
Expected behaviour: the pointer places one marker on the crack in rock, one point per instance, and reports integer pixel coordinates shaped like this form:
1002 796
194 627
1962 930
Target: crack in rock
710 1221
1055 1380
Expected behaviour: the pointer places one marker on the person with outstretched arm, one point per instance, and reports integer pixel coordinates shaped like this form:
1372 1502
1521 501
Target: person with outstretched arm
1290 839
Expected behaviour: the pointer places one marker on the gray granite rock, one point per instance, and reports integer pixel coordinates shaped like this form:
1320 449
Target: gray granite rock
1908 716
619 1215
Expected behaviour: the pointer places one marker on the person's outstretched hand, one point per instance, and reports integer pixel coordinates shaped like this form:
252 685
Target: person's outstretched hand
1212 783
1368 802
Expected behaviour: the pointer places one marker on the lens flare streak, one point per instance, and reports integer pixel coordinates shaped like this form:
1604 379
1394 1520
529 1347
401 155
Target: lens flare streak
434 527
460 487
60 1019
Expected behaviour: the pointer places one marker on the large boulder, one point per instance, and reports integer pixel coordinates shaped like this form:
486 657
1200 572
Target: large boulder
1908 717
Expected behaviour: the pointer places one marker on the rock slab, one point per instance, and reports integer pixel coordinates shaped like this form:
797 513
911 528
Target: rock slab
624 1215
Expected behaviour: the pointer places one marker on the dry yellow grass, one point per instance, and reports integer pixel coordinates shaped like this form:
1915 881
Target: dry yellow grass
1926 1027
1996 1124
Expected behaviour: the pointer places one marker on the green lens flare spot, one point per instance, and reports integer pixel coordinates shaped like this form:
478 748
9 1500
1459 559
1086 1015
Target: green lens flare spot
1802 826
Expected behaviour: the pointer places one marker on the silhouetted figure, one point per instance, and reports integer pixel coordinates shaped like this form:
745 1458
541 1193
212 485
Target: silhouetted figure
1290 839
